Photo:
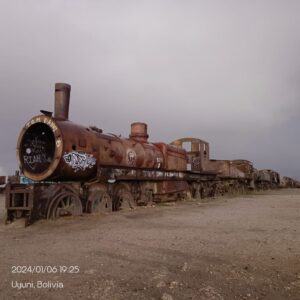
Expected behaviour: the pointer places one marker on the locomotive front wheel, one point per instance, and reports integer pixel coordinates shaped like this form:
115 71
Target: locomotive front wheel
64 204
99 202
123 200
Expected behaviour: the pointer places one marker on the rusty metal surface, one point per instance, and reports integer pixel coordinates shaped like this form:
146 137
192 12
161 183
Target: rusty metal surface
47 200
174 158
225 168
197 153
169 187
62 101
139 132
199 160
19 202
98 198
123 198
268 175
3 180
265 179
288 182
244 166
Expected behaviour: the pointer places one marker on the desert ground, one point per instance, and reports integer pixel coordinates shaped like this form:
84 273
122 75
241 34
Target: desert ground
243 247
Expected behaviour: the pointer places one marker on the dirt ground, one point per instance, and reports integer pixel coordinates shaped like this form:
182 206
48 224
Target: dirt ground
244 247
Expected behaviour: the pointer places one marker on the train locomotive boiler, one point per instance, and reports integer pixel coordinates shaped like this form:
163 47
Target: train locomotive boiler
75 169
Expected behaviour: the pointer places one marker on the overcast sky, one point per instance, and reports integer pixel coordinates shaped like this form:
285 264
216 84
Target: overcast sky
224 71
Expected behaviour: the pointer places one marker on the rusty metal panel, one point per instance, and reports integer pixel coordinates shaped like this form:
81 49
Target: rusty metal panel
67 151
62 100
197 152
46 200
2 180
175 158
226 168
288 182
244 166
264 175
139 132
169 187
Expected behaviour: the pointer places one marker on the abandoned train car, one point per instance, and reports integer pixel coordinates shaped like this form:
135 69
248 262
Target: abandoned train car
76 169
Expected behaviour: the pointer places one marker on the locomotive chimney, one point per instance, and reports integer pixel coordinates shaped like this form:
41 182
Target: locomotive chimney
62 100
139 132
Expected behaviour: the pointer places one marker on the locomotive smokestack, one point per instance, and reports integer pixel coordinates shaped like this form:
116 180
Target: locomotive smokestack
62 100
139 132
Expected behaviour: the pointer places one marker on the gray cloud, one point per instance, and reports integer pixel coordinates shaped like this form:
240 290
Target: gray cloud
224 71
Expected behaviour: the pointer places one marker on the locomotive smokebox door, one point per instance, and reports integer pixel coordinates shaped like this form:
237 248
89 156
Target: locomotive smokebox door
39 148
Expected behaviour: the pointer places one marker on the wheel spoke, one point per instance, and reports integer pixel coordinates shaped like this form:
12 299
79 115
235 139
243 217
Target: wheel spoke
124 200
65 204
99 201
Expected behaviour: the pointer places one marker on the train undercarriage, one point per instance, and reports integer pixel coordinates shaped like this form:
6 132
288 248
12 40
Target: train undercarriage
114 190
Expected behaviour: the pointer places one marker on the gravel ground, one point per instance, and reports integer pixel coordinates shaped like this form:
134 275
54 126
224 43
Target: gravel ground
228 248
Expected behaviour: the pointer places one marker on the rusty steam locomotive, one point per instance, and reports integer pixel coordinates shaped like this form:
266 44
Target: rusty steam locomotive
76 169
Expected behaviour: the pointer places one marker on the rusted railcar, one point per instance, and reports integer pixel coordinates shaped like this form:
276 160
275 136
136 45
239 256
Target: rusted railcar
230 175
76 169
266 179
288 182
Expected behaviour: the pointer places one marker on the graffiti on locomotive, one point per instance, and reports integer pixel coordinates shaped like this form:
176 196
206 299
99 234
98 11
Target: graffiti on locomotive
35 153
79 161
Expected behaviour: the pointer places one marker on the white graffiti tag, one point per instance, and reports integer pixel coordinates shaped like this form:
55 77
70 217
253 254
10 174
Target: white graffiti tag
79 161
